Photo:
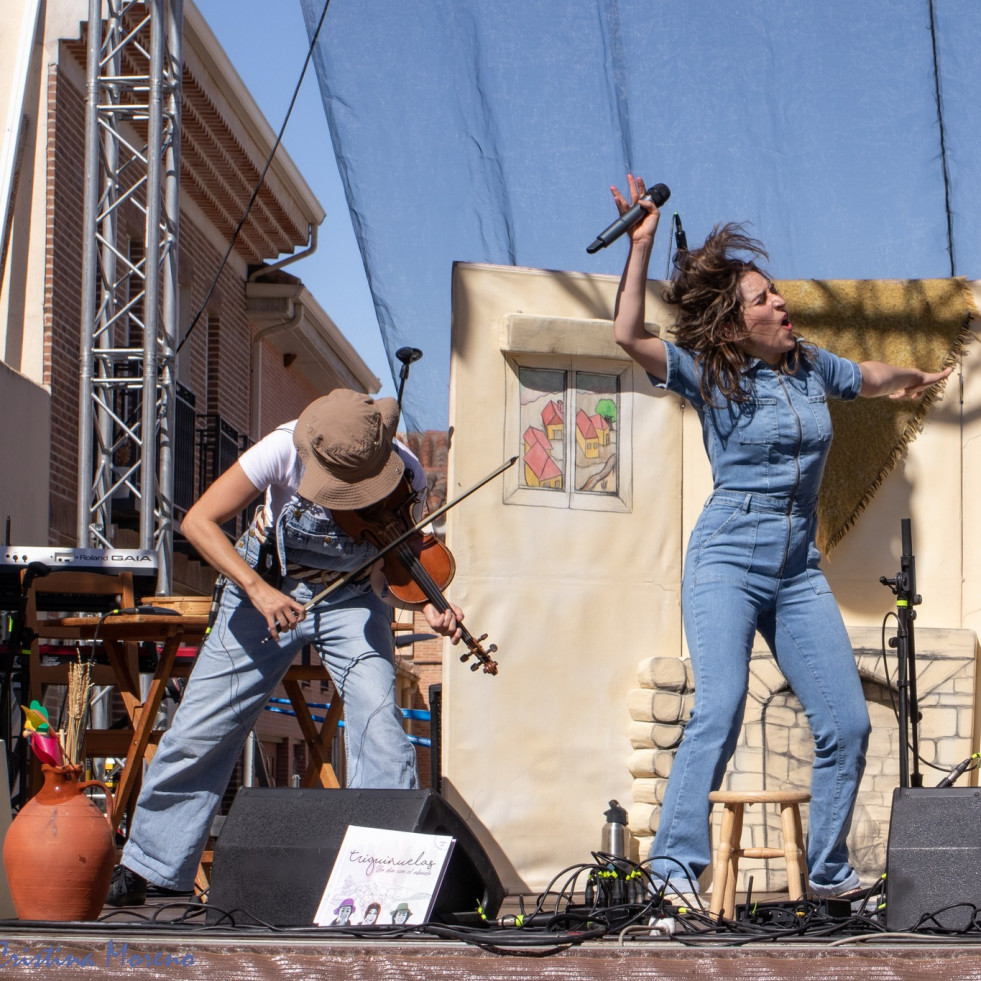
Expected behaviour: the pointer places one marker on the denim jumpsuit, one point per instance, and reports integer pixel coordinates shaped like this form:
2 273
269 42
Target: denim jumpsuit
236 671
752 565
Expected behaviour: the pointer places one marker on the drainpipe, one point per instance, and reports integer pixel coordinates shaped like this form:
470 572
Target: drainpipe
308 251
294 321
286 325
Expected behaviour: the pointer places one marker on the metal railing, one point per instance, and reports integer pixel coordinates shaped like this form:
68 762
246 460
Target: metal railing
420 715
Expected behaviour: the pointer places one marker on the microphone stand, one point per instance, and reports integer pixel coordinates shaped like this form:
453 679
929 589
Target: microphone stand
904 588
406 355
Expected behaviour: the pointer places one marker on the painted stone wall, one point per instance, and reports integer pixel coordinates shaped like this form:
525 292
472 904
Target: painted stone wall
775 749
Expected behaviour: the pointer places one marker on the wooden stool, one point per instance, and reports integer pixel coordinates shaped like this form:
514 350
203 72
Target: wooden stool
729 851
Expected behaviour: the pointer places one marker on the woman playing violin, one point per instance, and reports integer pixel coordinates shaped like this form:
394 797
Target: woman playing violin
340 455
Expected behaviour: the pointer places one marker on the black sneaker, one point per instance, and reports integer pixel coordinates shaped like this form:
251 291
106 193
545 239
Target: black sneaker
127 888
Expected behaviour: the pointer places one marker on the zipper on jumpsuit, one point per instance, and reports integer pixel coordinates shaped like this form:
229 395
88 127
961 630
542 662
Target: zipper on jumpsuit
793 495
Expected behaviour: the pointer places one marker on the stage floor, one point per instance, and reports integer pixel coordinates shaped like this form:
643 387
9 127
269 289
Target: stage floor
160 940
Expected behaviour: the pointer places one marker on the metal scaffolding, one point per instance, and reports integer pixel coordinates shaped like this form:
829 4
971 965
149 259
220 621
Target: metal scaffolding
127 383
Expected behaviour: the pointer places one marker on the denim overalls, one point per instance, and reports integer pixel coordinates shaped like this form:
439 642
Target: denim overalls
751 564
234 675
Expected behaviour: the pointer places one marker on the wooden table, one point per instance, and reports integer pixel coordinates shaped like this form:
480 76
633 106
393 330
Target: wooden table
170 633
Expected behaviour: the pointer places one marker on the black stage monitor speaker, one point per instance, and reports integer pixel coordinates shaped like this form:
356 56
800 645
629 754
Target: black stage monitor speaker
934 858
277 847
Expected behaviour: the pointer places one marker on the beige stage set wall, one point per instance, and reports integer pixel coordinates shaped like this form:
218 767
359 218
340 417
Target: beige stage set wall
24 101
25 436
25 402
576 599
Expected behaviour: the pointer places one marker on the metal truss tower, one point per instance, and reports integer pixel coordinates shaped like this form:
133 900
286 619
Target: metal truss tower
127 378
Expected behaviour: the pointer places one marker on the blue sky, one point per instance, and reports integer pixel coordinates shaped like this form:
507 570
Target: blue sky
268 52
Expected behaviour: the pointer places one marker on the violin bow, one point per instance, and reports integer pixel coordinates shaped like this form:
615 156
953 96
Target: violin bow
428 519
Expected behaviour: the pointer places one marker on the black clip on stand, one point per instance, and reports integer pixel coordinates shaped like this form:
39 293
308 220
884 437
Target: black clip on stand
904 588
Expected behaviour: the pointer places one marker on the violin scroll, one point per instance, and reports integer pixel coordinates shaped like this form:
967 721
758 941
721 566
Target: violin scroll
483 656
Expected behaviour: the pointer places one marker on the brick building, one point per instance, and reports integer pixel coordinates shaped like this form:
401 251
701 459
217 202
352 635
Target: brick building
261 346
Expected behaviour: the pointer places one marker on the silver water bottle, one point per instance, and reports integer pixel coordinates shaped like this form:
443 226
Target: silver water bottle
614 837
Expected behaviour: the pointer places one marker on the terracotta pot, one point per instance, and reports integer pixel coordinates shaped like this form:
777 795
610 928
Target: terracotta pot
59 851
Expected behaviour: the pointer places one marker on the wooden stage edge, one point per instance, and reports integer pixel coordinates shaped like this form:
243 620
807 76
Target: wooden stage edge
127 944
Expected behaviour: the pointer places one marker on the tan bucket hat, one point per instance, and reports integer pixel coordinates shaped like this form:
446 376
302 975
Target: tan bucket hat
345 442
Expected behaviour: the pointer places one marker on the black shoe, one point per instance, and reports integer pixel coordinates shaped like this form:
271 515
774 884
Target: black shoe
152 890
127 888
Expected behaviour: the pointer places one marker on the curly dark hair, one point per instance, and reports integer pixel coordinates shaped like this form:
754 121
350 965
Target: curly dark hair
705 289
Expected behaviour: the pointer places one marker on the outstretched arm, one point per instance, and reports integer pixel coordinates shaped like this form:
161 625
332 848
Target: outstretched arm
879 378
628 317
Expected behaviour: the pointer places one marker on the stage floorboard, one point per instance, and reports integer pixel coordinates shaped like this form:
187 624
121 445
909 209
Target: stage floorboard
159 941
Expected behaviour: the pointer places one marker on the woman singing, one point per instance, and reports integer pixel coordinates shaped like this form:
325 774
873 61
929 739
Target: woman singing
752 565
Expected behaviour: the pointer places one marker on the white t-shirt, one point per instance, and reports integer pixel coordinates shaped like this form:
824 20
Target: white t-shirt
274 464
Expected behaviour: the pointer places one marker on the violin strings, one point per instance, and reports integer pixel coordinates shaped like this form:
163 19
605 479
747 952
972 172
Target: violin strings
424 580
428 585
435 596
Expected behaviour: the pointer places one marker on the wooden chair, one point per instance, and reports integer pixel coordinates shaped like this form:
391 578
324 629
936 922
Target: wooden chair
729 850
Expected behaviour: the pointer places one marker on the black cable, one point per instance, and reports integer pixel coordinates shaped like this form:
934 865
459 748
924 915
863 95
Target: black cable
943 140
258 187
892 699
543 934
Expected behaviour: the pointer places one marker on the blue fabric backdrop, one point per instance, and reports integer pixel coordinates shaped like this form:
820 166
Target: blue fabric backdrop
491 131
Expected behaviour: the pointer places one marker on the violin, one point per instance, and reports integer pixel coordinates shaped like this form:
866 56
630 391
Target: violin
419 568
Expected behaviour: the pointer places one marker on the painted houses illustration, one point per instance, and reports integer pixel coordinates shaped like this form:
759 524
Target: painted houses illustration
553 419
586 436
540 469
602 428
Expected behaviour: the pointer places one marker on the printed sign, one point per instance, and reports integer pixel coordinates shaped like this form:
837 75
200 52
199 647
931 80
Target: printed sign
384 878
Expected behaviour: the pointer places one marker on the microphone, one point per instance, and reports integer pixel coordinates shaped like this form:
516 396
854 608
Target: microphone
408 354
659 193
34 570
948 781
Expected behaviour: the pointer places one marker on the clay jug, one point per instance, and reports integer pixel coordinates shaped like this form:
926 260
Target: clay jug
59 850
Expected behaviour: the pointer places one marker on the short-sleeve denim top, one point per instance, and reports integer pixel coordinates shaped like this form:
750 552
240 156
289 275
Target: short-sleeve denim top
776 442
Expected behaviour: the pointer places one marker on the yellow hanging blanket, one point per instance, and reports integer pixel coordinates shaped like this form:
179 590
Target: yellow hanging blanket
921 323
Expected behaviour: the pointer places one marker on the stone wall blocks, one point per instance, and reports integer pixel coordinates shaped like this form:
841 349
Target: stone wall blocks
642 818
666 673
650 762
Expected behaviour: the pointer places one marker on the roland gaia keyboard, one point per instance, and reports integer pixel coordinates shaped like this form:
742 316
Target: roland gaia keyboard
135 560
39 560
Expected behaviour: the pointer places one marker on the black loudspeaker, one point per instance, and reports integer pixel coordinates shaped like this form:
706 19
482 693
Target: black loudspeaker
277 847
934 858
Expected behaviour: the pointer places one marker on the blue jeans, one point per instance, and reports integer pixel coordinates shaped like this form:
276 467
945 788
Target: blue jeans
751 567
233 676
